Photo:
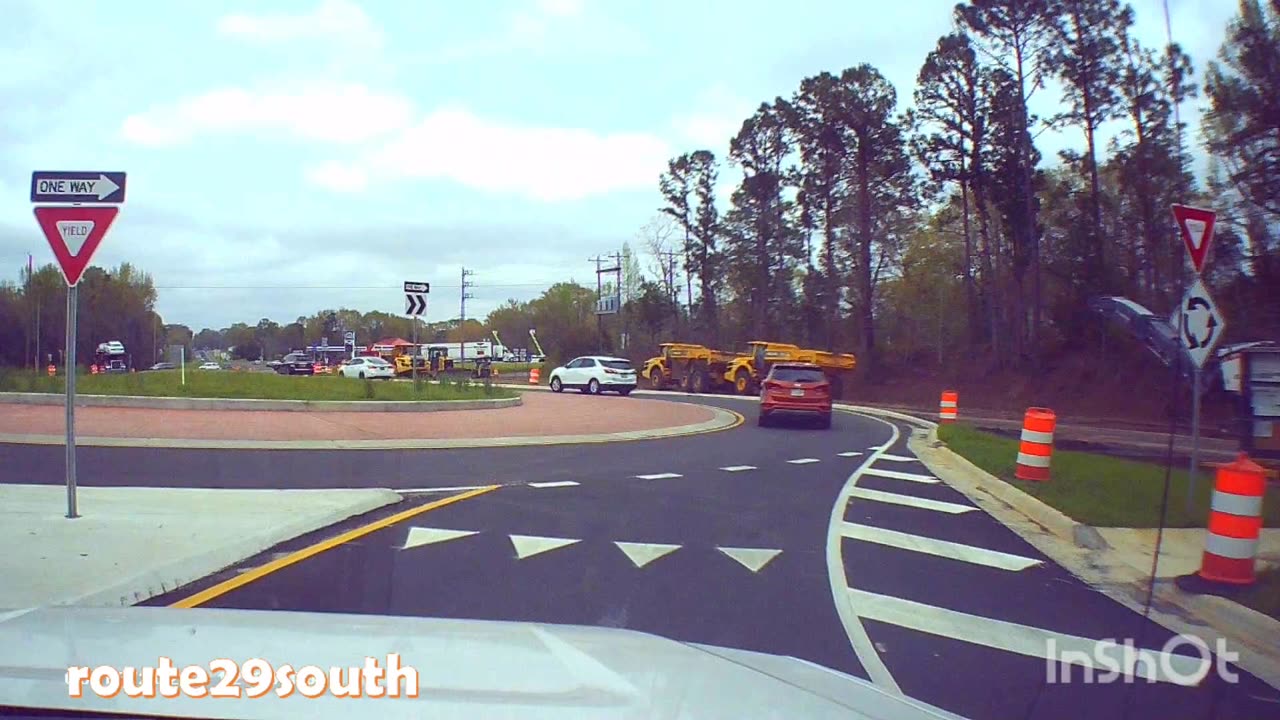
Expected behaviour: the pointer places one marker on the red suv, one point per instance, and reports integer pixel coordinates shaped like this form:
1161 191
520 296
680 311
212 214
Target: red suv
799 388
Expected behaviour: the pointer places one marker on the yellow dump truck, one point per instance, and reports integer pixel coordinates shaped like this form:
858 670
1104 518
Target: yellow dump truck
692 368
746 371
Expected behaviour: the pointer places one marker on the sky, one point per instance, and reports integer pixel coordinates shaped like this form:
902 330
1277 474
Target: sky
290 156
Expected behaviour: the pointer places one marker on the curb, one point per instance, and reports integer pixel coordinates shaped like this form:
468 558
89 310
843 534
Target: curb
157 581
175 403
722 420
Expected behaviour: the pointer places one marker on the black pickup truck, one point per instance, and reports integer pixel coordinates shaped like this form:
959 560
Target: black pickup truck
295 364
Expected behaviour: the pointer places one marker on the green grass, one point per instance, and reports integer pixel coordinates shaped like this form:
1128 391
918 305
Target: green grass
1099 490
244 385
1263 596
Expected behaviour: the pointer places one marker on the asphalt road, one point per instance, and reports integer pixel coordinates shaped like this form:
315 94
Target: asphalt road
836 547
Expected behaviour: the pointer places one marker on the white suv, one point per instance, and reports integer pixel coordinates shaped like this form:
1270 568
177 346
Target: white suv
595 374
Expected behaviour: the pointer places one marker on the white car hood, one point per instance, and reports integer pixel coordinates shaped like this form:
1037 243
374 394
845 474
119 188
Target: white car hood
467 668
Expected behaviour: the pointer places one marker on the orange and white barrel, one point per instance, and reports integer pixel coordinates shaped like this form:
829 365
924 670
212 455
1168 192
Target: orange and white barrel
51 370
948 406
535 376
1036 447
1235 523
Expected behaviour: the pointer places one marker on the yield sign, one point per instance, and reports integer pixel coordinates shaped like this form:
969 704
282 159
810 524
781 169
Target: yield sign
1196 227
74 233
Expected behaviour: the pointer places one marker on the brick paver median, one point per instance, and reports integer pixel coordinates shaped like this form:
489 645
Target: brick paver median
540 414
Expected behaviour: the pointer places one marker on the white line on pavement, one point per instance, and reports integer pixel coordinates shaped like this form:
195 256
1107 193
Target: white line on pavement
911 501
659 476
940 548
851 453
642 554
898 458
803 461
738 468
853 628
751 558
561 483
427 536
530 545
1024 639
895 475
456 488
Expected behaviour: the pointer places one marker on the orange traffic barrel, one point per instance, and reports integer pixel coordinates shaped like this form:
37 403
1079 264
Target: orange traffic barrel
535 376
1235 523
948 407
317 369
1037 444
93 369
51 370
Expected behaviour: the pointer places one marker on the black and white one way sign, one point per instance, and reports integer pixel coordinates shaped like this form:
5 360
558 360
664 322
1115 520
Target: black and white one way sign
1201 325
415 298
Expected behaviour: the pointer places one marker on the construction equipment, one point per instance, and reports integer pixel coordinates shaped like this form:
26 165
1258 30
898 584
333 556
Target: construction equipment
692 368
542 355
745 371
111 357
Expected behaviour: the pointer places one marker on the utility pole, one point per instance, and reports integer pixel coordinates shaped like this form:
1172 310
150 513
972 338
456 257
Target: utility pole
602 306
462 324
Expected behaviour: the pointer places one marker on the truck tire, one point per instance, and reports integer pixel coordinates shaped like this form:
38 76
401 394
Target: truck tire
698 382
742 382
657 379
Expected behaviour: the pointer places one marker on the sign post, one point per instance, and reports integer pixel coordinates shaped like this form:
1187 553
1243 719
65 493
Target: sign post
415 300
74 233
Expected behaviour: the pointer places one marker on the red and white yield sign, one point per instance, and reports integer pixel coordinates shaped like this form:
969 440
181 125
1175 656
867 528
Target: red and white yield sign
74 232
1196 226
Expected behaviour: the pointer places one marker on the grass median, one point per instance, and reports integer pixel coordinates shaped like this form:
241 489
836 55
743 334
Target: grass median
1099 490
249 385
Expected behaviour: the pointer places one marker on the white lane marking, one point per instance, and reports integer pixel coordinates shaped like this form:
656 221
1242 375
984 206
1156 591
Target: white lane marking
1023 639
530 545
896 475
738 468
455 488
898 458
644 553
803 461
851 453
940 548
659 476
427 536
857 634
911 501
560 483
751 558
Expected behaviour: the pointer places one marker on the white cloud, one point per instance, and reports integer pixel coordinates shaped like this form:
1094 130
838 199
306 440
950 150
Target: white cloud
560 8
338 177
331 20
548 164
716 117
346 113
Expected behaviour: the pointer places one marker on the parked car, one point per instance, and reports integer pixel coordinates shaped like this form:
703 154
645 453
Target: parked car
371 368
163 366
295 364
795 389
210 366
595 374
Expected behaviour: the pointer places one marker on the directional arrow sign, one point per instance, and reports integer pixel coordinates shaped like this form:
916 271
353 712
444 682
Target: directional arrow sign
1200 324
77 187
1196 227
415 304
417 287
74 234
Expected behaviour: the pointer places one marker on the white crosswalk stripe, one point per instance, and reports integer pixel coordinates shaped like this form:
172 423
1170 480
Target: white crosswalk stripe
896 475
897 458
939 548
804 461
738 468
559 484
659 476
851 453
911 501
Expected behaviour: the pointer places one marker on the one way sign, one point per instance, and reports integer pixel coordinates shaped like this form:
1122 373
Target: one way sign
93 187
1201 325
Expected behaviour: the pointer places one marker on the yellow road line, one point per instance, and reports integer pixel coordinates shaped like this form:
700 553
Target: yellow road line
247 577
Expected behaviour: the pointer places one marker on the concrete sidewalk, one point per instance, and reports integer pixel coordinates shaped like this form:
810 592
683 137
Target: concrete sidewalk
134 543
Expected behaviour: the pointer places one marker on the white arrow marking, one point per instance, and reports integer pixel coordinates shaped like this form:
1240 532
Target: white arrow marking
751 558
104 187
1021 639
1195 228
738 468
530 545
427 536
74 233
911 501
644 553
940 548
895 475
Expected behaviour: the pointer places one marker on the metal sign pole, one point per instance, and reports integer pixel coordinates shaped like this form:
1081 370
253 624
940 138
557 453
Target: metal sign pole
413 359
71 401
1195 438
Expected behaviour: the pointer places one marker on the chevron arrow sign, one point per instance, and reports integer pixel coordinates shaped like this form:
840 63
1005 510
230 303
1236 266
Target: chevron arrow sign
415 304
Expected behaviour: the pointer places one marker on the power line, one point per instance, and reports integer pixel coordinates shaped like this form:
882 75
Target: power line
462 309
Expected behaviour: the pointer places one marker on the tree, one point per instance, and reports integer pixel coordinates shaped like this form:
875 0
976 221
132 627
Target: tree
676 188
1088 55
949 102
1016 34
705 252
1242 125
